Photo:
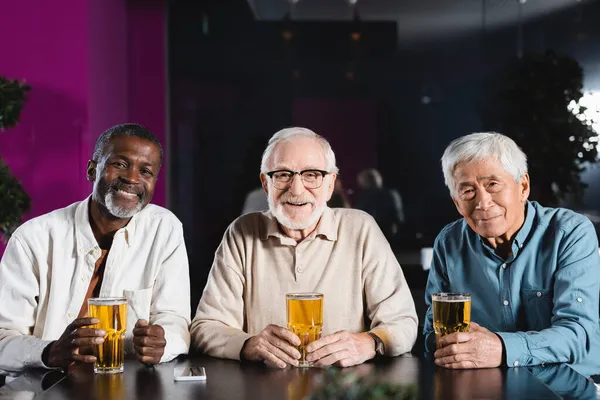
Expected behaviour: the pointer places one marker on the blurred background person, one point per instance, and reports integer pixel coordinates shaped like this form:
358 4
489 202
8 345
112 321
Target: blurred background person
385 205
339 198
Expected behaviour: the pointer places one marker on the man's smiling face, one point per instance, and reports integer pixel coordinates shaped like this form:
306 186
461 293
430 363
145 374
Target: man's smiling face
125 175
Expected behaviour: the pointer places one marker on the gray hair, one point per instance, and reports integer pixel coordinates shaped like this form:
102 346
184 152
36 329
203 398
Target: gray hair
370 179
287 134
135 130
477 147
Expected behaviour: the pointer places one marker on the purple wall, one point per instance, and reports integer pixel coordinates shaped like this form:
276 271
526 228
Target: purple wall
148 76
91 64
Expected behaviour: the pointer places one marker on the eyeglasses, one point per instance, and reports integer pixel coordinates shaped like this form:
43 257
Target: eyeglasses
311 178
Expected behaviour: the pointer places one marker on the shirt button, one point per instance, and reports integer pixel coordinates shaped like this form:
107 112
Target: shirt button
505 302
70 315
539 294
516 364
504 266
300 269
520 245
579 299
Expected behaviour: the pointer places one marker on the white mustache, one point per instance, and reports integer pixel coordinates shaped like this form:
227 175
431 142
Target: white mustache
296 199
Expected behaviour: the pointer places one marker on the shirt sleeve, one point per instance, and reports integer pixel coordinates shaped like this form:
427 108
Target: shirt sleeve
575 306
19 288
389 303
437 282
217 328
171 299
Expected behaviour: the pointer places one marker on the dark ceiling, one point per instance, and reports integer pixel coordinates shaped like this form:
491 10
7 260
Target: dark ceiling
417 19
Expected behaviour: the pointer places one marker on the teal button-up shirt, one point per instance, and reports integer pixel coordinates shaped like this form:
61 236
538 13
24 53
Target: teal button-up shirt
543 301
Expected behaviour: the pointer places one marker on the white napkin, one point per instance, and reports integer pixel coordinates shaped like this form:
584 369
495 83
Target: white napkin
138 307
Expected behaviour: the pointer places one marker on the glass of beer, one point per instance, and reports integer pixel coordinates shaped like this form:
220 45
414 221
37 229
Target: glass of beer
305 319
112 313
451 313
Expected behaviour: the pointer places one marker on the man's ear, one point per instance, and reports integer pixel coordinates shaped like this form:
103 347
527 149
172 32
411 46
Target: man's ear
264 183
91 170
331 186
525 187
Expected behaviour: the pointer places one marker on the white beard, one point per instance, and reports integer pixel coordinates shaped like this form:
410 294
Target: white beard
119 212
283 219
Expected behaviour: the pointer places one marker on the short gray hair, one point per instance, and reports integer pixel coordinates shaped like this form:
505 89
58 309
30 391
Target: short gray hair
478 147
287 134
129 129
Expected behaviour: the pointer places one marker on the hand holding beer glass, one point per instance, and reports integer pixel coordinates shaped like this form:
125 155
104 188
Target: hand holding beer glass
112 313
305 319
451 313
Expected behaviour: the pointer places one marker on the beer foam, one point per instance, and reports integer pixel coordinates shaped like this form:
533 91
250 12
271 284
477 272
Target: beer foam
451 300
108 301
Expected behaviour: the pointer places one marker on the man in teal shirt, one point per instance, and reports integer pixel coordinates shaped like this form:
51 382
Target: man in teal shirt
533 272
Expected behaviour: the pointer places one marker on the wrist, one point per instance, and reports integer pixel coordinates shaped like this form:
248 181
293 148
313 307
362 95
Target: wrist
378 344
503 351
46 355
242 351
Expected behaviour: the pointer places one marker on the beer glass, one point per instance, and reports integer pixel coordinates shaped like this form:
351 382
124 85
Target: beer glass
110 386
112 313
305 319
451 313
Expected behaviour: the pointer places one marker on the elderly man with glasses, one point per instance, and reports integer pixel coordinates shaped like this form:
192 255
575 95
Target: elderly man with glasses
301 245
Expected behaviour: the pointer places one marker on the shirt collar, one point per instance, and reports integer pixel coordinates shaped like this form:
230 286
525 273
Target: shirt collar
527 225
86 241
326 227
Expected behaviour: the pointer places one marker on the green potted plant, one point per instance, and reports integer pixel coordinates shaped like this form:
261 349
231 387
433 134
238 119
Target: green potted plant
339 385
533 104
14 202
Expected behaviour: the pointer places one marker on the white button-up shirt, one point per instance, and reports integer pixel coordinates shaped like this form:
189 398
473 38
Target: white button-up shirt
47 268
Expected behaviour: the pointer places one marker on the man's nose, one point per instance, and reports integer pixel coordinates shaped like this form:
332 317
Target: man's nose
485 200
131 175
297 186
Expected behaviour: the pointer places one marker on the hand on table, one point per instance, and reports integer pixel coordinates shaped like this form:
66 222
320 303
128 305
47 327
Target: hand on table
343 349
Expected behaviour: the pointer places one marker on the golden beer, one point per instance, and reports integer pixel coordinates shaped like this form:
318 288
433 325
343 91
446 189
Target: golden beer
112 313
305 319
451 313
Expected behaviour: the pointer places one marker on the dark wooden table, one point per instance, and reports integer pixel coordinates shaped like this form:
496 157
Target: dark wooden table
228 379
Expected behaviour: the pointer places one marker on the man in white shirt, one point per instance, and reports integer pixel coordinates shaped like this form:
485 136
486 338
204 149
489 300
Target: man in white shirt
301 245
111 244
